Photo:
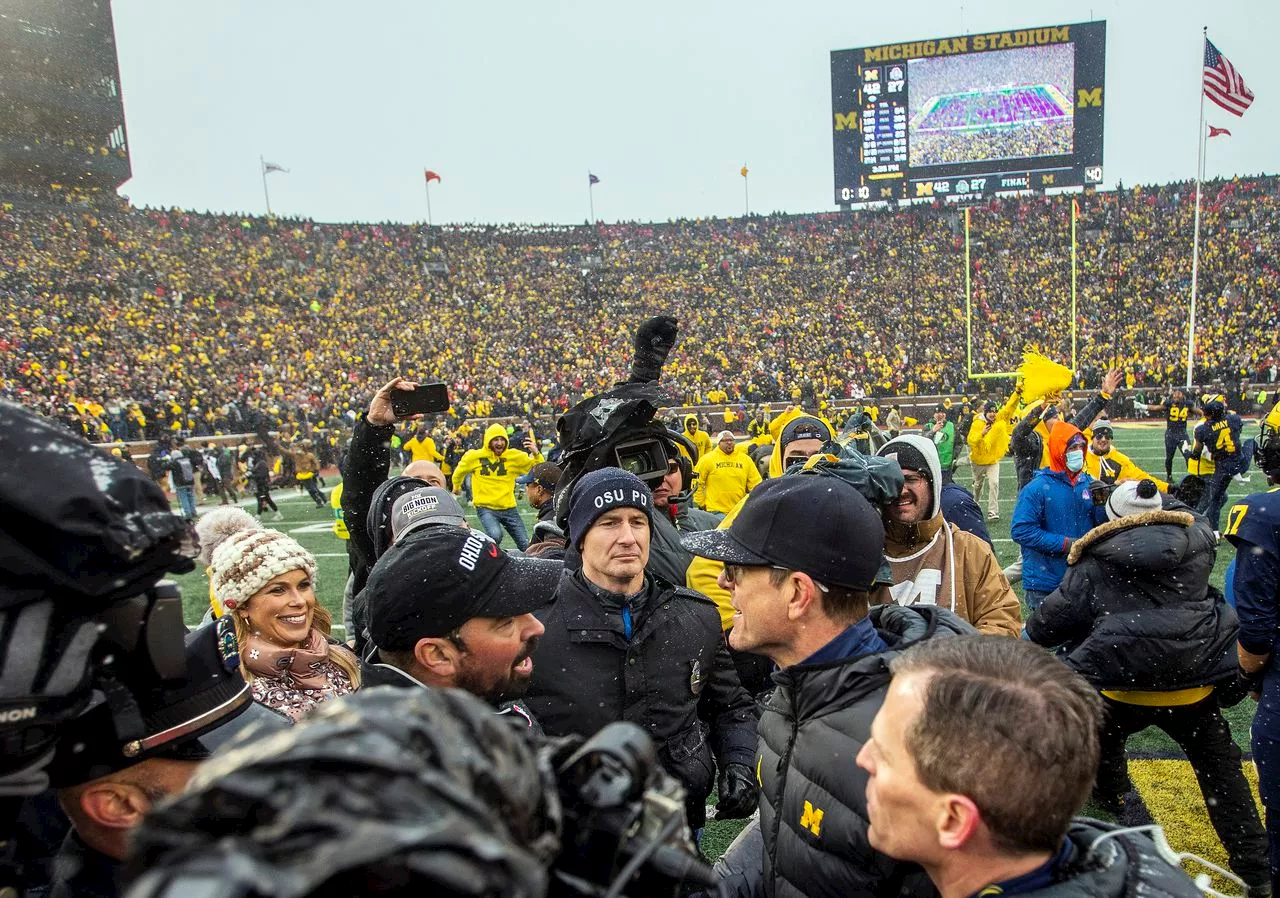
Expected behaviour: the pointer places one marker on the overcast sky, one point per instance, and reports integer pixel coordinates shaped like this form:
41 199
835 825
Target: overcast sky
512 103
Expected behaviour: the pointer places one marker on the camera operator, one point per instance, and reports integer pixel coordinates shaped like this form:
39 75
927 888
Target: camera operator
86 539
421 792
621 644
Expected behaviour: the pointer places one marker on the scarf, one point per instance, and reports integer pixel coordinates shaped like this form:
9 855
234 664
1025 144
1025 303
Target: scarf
303 665
922 558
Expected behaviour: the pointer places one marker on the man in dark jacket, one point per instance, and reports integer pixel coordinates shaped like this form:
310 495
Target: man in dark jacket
621 644
447 608
799 561
953 787
1138 620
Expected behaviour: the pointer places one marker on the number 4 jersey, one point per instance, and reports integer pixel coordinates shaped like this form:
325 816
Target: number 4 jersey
1222 438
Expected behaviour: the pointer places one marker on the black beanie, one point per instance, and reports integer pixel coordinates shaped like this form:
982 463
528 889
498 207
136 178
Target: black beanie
911 458
604 490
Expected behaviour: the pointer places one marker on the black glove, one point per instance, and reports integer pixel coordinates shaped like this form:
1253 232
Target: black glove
737 788
654 340
44 669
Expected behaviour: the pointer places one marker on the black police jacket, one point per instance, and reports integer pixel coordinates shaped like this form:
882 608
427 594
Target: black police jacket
673 677
813 806
83 872
1135 610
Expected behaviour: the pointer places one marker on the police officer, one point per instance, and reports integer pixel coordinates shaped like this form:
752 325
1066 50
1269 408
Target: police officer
1253 527
621 644
107 781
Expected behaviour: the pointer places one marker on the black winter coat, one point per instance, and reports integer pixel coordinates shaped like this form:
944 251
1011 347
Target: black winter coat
674 678
813 806
368 463
1135 610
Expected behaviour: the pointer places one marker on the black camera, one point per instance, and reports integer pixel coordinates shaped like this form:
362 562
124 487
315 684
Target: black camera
646 458
625 825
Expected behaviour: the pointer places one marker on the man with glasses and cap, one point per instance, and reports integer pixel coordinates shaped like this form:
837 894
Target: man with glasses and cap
799 562
107 781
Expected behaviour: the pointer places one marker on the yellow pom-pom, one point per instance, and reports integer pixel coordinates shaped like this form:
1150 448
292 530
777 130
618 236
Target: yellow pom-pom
1042 377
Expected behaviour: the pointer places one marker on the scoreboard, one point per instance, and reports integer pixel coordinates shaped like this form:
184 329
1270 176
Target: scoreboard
969 115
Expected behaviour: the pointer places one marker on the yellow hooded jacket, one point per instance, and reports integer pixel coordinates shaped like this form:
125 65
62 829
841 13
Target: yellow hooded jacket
989 449
699 439
493 480
1116 467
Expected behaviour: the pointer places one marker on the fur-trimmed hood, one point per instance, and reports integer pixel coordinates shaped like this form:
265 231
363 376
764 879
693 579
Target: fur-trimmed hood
1134 552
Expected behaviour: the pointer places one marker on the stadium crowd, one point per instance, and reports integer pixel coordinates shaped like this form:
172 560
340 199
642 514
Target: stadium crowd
828 647
140 322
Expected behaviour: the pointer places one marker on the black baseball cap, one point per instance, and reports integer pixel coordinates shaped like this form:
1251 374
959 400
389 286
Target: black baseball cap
177 720
437 579
813 523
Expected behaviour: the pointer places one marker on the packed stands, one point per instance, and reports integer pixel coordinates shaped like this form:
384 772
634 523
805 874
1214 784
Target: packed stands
168 317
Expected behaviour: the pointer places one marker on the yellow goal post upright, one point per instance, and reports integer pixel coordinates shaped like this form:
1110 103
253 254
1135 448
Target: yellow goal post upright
968 301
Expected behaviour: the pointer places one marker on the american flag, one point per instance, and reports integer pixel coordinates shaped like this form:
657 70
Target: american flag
1222 83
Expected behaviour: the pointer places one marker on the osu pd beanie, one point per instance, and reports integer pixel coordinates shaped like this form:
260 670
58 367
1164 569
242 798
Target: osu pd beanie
604 490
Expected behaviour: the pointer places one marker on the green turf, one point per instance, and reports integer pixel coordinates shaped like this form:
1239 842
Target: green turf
1144 444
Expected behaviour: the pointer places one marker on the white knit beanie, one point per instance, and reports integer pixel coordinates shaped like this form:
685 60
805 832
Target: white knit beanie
248 557
1133 497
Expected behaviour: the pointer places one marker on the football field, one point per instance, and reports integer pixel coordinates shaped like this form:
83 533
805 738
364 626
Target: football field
1166 789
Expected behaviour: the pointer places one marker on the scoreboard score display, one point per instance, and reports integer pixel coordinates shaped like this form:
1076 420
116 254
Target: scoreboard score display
970 115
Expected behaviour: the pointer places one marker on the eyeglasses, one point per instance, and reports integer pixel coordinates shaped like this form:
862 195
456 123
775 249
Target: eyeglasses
733 573
914 479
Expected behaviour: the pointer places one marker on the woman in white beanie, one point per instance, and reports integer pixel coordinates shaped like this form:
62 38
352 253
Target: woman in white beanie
265 582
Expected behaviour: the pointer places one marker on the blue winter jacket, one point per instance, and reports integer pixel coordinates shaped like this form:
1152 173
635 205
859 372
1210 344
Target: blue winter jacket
1049 511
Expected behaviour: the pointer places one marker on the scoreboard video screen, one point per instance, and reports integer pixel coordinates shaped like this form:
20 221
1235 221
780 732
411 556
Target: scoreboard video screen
970 115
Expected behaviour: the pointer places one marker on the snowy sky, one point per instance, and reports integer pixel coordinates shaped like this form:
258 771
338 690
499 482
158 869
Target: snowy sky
512 103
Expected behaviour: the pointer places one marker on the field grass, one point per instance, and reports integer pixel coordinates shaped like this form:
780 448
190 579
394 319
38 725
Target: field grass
1166 787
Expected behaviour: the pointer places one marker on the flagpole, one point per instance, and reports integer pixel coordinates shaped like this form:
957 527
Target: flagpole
746 194
428 180
1195 251
591 198
262 166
